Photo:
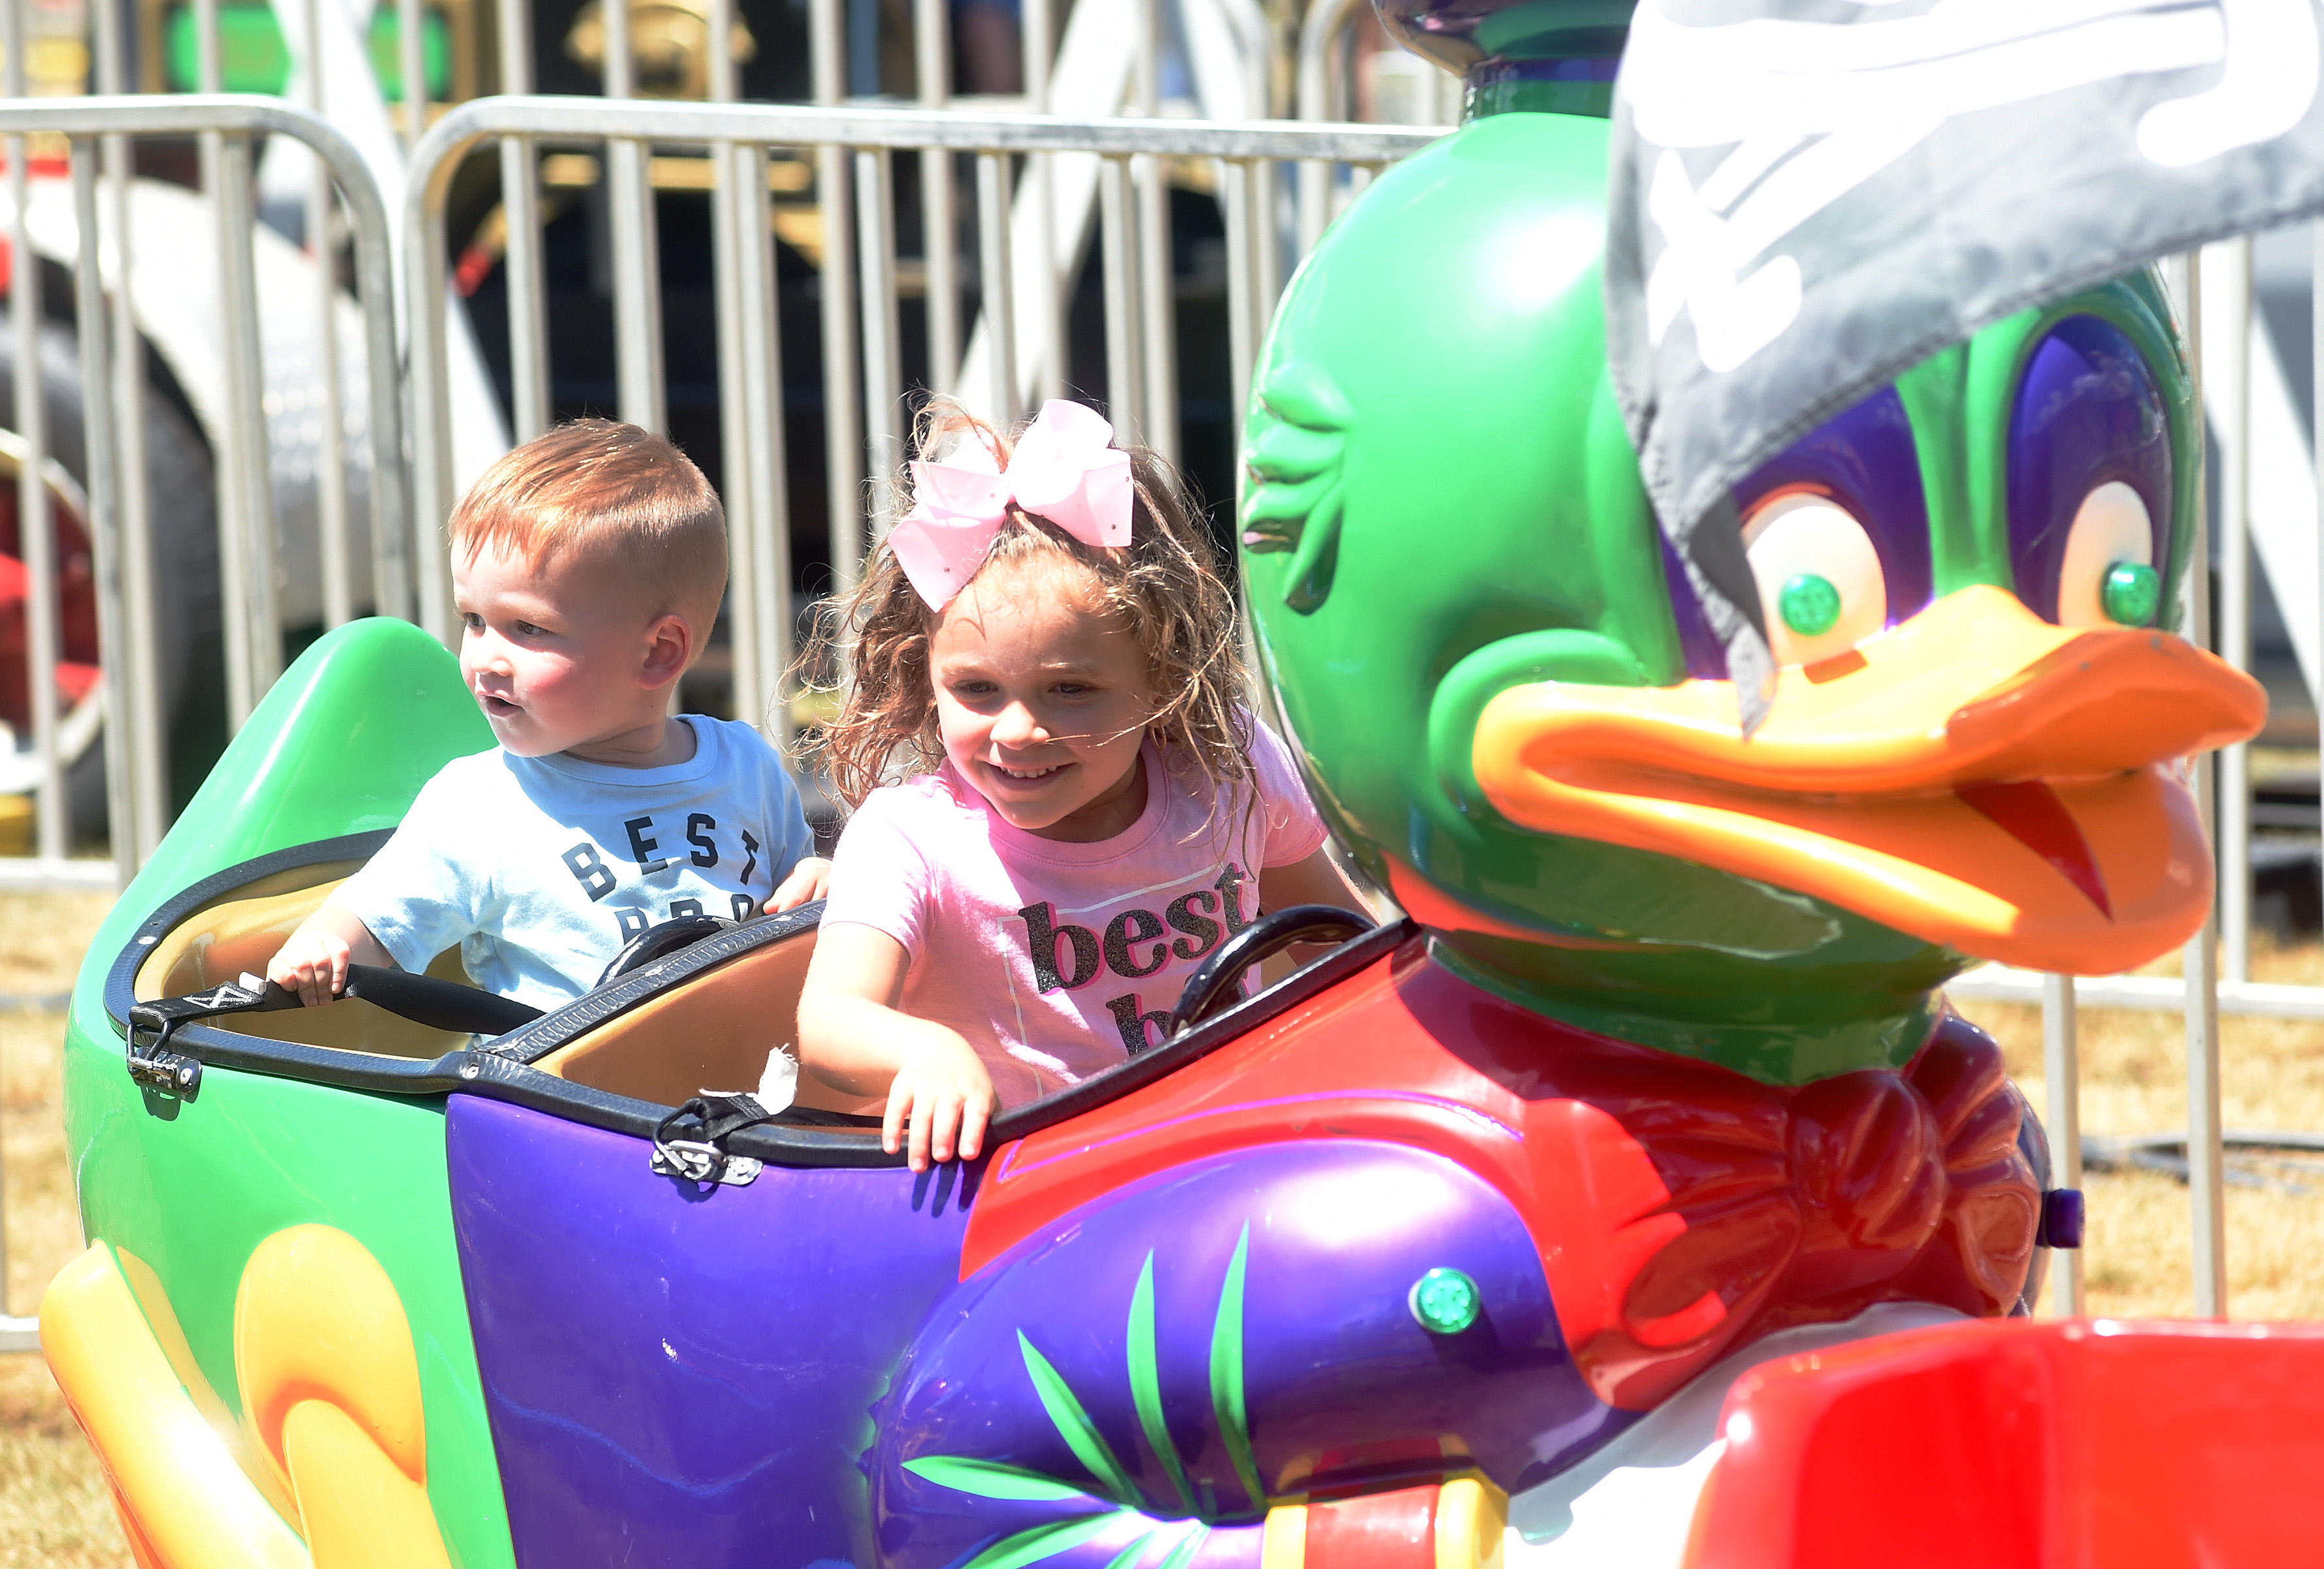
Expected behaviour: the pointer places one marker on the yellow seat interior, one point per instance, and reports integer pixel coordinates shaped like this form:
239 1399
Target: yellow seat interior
241 931
711 1033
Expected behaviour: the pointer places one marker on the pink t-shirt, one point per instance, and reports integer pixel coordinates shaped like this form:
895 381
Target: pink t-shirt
1057 960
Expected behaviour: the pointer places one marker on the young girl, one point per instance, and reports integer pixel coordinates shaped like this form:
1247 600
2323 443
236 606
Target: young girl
1045 654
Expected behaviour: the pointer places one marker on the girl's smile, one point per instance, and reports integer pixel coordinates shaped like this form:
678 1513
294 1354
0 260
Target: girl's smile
1042 700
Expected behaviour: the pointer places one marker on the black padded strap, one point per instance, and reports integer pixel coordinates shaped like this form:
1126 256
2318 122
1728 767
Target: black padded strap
436 1004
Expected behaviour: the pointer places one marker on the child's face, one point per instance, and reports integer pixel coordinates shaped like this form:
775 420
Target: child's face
1042 701
559 657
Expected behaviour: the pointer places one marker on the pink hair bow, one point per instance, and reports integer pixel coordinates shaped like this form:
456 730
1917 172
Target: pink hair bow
1065 468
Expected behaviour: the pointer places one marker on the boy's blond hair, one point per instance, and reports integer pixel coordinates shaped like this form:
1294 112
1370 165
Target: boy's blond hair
617 496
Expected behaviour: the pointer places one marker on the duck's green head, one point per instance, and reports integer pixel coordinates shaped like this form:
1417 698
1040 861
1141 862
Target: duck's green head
1511 711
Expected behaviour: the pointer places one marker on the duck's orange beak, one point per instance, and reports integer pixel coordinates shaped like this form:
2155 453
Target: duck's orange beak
1975 776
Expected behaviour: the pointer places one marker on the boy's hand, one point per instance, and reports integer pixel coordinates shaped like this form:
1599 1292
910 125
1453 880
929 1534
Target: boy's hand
944 1096
313 964
810 881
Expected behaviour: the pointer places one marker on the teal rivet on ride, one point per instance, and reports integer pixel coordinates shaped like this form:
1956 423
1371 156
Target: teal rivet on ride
2132 595
1444 1301
1809 604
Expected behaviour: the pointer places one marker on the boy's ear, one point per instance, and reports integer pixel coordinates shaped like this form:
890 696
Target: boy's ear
669 650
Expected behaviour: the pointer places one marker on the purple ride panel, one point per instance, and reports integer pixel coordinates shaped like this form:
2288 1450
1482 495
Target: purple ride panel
1340 1382
676 1378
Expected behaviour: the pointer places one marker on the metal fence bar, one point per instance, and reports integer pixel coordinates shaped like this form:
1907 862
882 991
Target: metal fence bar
257 627
412 41
1319 38
2149 994
529 397
644 396
331 469
996 280
234 577
100 459
901 130
2205 1164
1242 341
35 525
1156 297
729 239
18 1335
764 458
939 222
883 375
1266 248
1039 41
2226 395
2062 1079
842 413
1125 380
135 688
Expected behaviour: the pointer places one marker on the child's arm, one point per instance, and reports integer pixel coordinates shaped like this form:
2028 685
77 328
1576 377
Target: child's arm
851 1036
314 962
810 881
1315 880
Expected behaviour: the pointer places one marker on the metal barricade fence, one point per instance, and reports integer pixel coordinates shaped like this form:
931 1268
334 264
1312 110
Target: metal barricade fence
137 747
1014 347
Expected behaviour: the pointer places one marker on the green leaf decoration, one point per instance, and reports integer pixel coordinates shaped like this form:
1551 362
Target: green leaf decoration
1074 1427
1226 1374
1184 1553
1039 1542
1296 460
1131 1554
989 1478
1146 1382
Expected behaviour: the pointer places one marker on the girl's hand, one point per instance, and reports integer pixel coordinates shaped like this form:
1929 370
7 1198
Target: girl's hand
853 1038
943 1095
810 881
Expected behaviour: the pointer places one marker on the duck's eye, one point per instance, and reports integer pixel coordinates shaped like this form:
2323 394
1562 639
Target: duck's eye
2089 479
1820 586
2107 576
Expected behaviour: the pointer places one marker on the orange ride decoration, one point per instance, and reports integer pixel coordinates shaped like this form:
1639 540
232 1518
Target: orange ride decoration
1874 783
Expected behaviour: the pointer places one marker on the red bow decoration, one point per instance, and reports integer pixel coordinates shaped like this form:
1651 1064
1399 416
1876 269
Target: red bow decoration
1725 1208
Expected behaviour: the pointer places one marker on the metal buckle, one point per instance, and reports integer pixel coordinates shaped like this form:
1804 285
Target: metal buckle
171 1075
693 1160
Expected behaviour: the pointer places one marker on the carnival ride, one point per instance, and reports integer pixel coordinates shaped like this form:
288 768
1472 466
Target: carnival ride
1635 1188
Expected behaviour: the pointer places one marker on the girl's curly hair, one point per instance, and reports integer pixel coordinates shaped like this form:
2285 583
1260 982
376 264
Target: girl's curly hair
1163 587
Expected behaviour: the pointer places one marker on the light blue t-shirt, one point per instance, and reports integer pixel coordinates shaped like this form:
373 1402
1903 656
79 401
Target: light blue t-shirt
540 868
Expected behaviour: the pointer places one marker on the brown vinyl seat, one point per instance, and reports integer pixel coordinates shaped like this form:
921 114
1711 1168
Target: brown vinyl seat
711 1033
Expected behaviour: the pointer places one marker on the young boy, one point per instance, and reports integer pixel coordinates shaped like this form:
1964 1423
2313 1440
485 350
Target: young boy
586 568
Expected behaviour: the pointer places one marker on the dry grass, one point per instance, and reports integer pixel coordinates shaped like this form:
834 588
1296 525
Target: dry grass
53 1506
2135 1081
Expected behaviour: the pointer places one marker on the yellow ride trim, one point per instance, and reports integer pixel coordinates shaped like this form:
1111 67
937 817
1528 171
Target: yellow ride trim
332 1437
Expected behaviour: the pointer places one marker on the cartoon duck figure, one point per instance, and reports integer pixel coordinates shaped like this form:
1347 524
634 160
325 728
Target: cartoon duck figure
1729 950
